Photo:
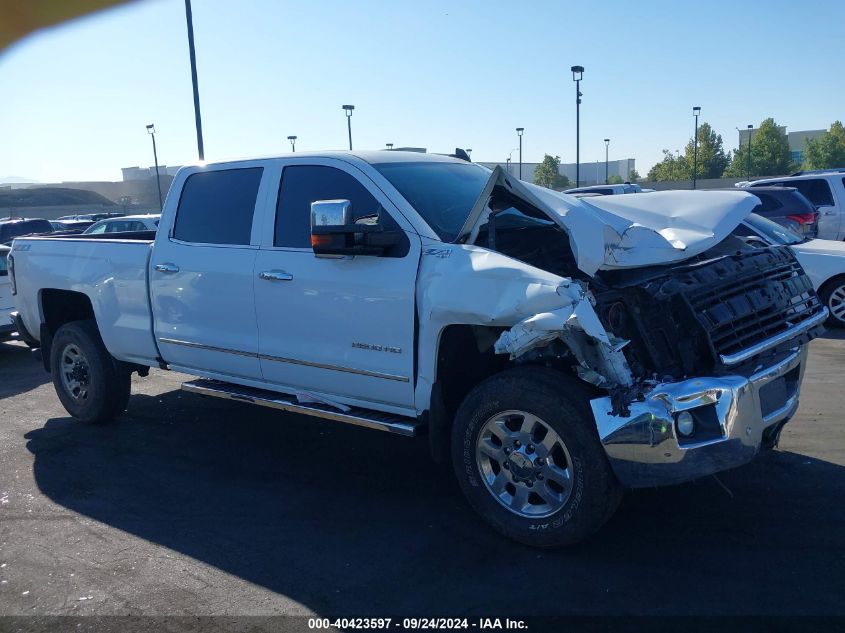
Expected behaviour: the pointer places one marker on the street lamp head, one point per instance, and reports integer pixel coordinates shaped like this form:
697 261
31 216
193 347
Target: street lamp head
349 109
469 151
151 128
750 127
389 145
607 140
577 72
520 130
292 138
696 110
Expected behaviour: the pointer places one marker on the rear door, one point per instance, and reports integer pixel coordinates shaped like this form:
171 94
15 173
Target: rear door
342 326
201 275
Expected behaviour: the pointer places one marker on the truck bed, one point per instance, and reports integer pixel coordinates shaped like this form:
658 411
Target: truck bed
110 269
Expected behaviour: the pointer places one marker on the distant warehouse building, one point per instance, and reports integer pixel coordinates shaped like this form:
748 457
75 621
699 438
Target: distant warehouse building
796 140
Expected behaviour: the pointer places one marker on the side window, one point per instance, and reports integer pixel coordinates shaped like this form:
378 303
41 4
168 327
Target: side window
216 207
99 228
816 190
303 184
769 203
116 227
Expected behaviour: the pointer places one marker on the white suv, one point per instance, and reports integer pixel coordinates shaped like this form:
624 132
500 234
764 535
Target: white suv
826 190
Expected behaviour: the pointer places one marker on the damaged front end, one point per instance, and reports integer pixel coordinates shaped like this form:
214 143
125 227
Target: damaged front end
697 339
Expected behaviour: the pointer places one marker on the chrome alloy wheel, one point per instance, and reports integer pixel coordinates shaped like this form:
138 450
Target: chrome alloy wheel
836 303
74 372
524 464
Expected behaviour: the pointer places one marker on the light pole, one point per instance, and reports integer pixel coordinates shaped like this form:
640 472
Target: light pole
292 140
152 131
349 109
189 17
606 149
577 75
750 127
519 132
696 110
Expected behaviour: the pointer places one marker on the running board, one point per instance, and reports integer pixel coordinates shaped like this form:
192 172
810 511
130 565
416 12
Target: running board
409 427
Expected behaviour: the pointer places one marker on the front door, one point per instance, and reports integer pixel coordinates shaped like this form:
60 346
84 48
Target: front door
339 326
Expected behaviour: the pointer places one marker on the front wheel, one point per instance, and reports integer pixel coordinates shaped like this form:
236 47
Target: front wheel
91 384
528 458
832 295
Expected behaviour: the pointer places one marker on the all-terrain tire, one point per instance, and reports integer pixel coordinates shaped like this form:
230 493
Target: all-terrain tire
561 404
92 386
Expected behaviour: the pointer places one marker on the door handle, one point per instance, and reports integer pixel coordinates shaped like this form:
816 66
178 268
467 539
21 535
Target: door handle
830 212
275 275
167 268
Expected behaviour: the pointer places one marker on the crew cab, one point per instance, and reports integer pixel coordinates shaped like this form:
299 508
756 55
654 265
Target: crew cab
556 350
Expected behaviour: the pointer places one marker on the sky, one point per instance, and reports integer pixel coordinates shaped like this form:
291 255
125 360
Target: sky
436 74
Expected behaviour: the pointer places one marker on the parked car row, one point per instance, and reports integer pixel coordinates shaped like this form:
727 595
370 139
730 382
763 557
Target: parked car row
70 225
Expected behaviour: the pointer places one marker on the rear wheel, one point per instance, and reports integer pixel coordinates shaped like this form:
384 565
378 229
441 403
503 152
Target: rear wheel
91 385
832 295
528 458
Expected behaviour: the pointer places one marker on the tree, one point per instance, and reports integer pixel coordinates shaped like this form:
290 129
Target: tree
770 153
712 160
634 176
548 174
826 151
615 179
667 169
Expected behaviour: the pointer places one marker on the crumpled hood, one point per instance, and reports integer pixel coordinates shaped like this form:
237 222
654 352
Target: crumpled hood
627 231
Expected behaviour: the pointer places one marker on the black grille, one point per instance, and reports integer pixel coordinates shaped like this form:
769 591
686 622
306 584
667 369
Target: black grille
746 299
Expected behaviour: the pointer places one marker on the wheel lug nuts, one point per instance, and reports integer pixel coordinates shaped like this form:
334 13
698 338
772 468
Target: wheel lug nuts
517 444
530 448
541 461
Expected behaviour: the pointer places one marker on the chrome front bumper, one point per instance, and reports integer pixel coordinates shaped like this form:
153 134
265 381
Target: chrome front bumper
731 414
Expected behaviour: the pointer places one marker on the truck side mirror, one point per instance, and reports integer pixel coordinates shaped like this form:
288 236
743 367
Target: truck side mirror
334 232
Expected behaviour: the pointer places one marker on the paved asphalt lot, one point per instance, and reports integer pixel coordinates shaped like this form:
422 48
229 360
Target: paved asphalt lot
190 505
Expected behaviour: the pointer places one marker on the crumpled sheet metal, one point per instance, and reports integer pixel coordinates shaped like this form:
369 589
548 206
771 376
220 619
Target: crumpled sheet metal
540 329
474 286
631 230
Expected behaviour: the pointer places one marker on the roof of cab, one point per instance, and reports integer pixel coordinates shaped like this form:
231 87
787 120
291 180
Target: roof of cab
374 157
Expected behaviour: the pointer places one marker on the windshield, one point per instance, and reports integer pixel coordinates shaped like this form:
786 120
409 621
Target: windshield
772 230
442 193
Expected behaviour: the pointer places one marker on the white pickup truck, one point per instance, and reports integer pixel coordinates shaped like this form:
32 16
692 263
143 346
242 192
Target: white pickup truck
556 350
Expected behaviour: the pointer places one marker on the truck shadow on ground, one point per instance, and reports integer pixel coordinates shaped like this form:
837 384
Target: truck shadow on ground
19 372
348 521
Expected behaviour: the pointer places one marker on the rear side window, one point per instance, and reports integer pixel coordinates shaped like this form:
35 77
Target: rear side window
816 190
304 184
768 203
216 207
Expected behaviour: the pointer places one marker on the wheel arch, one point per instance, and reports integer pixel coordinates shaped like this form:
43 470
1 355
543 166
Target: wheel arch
59 307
